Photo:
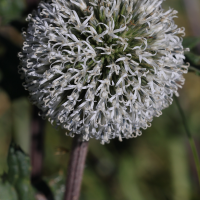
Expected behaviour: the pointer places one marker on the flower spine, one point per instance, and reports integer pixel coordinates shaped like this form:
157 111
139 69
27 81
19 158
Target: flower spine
102 69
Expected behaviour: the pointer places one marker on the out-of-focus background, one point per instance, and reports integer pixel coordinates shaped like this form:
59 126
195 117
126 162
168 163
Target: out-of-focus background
156 166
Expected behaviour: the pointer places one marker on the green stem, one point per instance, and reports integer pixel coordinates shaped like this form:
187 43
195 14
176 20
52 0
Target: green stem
190 138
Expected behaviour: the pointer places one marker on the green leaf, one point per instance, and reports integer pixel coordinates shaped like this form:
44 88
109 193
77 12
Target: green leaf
7 191
13 170
24 189
193 58
191 42
24 165
10 9
19 172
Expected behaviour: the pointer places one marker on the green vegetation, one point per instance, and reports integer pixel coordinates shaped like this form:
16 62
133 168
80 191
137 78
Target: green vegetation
15 185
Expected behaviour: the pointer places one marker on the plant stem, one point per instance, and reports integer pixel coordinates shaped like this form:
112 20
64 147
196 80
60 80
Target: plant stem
76 168
190 138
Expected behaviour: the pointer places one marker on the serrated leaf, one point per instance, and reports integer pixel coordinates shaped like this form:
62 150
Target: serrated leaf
191 42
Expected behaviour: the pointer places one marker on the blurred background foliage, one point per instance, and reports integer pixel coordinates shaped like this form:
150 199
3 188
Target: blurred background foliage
157 165
10 10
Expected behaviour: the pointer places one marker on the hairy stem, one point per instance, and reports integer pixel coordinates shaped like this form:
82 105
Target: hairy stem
190 138
76 168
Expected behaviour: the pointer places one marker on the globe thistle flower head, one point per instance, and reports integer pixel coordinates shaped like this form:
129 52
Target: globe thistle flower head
102 69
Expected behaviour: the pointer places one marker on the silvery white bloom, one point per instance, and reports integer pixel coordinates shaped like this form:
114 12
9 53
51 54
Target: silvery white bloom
102 69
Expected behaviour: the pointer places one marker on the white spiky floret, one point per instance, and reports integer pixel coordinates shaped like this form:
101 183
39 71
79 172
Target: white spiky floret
102 69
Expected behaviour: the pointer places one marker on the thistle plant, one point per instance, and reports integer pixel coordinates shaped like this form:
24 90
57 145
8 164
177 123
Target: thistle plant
102 69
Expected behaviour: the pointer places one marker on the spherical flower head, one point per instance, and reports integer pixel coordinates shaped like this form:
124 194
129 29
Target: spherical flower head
102 69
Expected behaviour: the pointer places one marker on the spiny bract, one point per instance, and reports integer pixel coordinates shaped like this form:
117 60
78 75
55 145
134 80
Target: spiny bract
102 69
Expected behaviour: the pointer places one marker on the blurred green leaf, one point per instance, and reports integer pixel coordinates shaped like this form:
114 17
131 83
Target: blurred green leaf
191 42
23 184
128 179
10 9
13 170
24 189
7 191
19 173
193 58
